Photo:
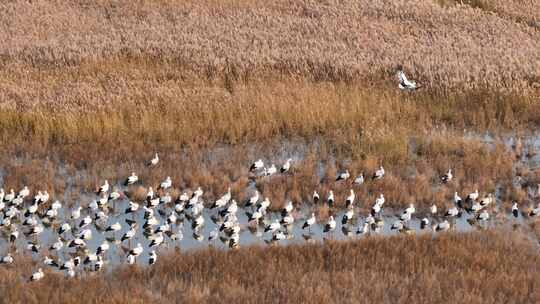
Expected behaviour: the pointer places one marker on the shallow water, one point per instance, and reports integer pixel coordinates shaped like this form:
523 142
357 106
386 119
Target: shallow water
250 234
253 236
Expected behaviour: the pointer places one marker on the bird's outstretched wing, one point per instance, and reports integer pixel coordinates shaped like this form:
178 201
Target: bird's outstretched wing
406 84
402 78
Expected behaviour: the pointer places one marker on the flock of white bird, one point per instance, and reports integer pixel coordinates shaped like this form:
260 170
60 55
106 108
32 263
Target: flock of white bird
162 218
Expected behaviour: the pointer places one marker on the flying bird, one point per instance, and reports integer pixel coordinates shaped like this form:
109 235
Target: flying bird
404 83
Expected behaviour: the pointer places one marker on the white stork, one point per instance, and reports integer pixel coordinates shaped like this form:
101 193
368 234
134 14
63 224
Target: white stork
406 84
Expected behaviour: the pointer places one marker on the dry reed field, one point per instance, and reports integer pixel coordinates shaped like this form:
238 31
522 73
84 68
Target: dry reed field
106 74
133 77
479 267
90 90
446 45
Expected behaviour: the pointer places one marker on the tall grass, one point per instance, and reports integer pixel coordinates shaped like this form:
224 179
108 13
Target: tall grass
202 73
524 12
205 114
443 46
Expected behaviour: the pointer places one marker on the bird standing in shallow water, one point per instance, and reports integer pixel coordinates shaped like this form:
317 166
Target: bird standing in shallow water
350 199
535 211
330 199
363 229
359 180
316 197
7 259
433 209
443 226
343 176
252 201
424 223
272 227
309 222
104 188
270 171
347 216
257 165
452 212
458 201
36 276
515 210
152 257
132 179
473 196
483 216
166 184
330 225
